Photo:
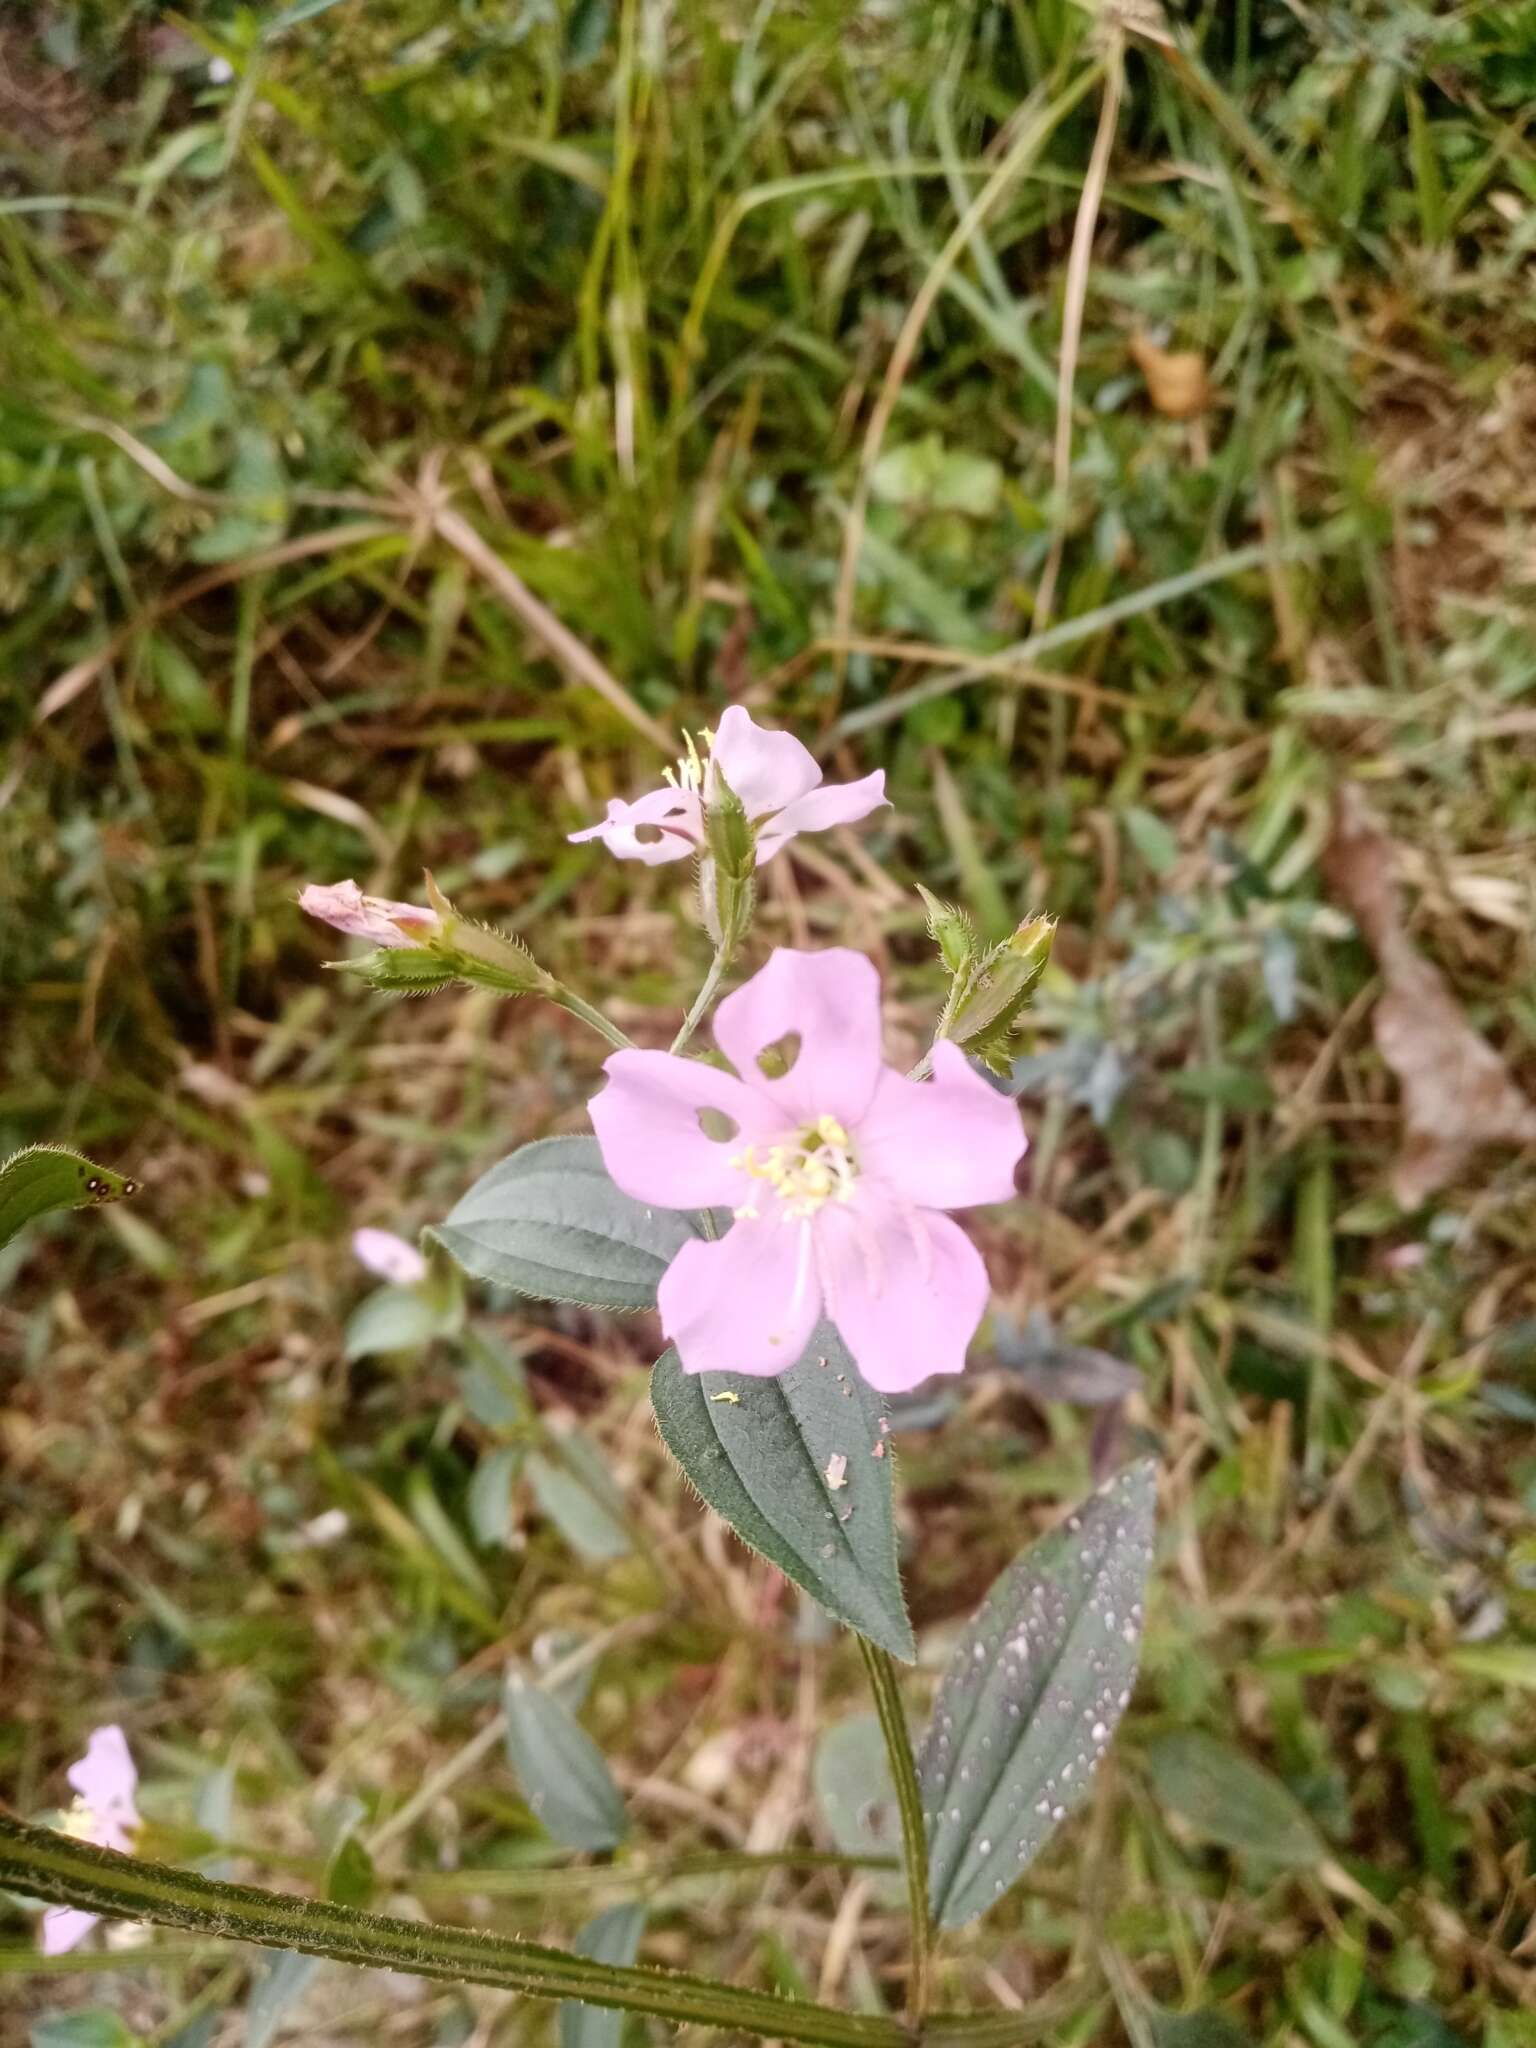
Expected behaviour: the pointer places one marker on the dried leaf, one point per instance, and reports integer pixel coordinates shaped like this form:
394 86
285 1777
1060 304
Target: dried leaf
1177 383
1457 1094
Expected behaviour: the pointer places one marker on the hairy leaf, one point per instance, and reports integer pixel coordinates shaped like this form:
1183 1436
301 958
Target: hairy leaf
548 1222
759 1451
50 1177
1032 1696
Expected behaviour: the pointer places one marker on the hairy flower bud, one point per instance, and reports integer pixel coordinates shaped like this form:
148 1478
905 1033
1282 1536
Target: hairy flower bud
990 996
727 871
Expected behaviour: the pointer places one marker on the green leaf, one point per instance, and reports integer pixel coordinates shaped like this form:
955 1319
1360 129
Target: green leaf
290 17
489 1500
760 1452
349 1876
561 1770
279 1986
851 1778
393 1319
1208 2028
45 1177
576 1493
1503 1663
548 1222
1229 1800
93 2028
1032 1695
612 1937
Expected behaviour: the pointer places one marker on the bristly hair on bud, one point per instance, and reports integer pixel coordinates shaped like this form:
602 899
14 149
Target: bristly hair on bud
727 865
480 955
398 973
988 997
952 930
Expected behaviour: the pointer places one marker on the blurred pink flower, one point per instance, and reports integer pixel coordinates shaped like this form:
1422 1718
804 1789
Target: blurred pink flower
836 1168
776 778
390 1257
344 905
105 1781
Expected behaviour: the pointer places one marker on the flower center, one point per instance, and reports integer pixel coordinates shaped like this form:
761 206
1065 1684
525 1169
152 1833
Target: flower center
692 768
806 1172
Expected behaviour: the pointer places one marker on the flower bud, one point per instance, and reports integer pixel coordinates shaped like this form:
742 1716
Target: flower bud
480 954
987 1003
951 930
727 873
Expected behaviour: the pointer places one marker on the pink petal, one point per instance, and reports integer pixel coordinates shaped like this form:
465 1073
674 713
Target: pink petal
344 905
106 1779
747 1303
653 1143
835 803
905 1287
831 1002
390 1257
944 1143
767 770
673 819
64 1928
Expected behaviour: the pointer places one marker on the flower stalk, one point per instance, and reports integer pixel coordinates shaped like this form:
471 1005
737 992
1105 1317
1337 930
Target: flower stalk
909 1804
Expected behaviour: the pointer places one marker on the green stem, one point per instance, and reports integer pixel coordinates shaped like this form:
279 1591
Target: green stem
909 1802
705 996
568 999
43 1864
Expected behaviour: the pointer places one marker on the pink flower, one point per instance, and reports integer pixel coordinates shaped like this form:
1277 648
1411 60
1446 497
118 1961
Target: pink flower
776 778
390 1257
104 1813
836 1168
344 905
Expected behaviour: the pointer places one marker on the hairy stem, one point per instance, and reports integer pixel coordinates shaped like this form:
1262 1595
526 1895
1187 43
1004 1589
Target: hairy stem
43 1864
705 996
568 999
909 1802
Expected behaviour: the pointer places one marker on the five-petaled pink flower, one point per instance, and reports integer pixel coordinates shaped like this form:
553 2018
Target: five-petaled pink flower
344 905
103 1812
776 778
836 1168
390 1257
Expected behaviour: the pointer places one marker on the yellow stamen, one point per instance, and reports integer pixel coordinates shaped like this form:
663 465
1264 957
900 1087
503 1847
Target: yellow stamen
805 1172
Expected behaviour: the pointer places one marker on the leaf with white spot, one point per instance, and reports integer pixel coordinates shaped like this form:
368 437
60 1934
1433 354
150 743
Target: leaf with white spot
1032 1697
793 1465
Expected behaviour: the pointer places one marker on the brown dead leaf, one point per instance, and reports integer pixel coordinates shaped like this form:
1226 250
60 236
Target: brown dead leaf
1457 1094
1177 383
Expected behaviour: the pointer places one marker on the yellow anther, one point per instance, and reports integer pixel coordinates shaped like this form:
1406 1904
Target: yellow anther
805 1172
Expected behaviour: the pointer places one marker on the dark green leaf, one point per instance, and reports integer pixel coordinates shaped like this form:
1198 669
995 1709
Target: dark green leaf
1209 2028
548 1222
93 2028
613 1937
561 1770
1229 1800
760 1451
1032 1696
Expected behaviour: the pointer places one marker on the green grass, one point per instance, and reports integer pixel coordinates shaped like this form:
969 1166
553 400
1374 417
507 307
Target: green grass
630 283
